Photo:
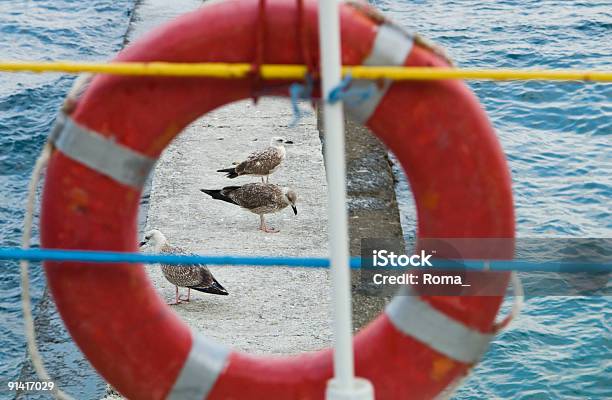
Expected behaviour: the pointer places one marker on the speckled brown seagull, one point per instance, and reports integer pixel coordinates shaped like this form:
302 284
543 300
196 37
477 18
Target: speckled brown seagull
196 277
258 198
261 163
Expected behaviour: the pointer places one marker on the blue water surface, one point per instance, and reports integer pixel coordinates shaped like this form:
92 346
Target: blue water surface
557 137
558 141
39 30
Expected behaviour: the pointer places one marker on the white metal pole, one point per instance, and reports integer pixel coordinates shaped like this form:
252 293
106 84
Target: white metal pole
344 386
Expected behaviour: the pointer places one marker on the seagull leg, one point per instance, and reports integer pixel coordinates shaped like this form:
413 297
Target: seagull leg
176 297
264 228
262 180
267 178
186 299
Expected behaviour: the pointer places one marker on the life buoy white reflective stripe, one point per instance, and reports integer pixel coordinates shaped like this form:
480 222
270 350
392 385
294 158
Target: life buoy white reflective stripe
101 153
418 319
206 360
391 48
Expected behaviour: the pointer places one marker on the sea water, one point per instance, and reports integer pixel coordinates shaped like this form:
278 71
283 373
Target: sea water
557 138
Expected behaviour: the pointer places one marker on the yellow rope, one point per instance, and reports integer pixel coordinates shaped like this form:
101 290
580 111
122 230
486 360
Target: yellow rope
419 73
287 72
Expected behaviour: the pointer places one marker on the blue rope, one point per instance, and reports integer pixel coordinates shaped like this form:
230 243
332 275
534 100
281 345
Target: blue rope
309 262
171 259
351 96
342 92
297 92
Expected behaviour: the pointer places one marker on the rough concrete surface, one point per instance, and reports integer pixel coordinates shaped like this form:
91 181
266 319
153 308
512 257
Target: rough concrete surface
269 310
372 206
373 210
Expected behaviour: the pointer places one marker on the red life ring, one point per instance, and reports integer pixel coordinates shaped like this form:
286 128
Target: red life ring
437 129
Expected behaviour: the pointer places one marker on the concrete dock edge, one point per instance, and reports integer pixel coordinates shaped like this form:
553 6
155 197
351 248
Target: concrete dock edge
372 205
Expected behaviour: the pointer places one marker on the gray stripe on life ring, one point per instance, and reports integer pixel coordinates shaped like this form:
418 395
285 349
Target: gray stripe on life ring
391 48
418 319
100 153
205 362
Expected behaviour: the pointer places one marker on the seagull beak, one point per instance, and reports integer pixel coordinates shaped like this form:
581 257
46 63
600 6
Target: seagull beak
142 244
288 141
294 209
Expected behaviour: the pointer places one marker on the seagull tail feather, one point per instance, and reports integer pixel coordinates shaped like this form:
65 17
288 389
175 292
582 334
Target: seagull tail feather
217 195
214 288
231 172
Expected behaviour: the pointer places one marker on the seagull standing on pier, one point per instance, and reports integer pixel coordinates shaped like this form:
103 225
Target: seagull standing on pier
196 277
261 163
258 198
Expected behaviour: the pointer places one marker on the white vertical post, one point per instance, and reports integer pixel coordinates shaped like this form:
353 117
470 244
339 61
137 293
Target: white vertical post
344 385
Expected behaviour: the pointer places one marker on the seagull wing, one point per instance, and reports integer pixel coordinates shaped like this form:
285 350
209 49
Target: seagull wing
181 275
194 276
260 162
256 195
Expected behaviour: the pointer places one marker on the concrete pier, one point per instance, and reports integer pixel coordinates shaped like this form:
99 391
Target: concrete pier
269 310
372 206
